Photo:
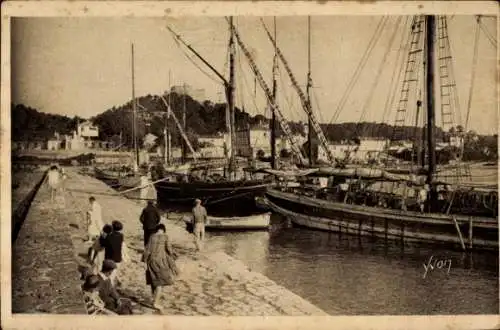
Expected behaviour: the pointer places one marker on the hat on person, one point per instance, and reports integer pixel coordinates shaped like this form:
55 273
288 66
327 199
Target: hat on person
197 201
108 265
91 282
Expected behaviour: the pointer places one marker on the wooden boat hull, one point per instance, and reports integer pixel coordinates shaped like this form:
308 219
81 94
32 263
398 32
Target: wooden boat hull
237 195
477 233
106 177
252 222
118 179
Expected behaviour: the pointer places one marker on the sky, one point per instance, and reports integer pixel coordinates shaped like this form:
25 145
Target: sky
82 66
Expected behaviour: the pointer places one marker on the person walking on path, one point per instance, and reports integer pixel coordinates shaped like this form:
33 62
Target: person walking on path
199 221
94 220
159 257
150 218
54 181
108 293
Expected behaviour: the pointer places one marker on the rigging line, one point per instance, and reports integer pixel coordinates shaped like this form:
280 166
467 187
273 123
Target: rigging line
394 82
238 79
397 73
474 64
318 110
399 63
449 63
357 73
360 66
287 98
487 34
245 82
379 72
401 74
196 64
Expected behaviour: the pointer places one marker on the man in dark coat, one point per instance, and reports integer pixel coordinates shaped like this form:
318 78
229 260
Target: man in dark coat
150 218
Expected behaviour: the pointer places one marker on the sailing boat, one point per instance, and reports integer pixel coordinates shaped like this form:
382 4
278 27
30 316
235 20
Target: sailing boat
332 209
124 177
231 195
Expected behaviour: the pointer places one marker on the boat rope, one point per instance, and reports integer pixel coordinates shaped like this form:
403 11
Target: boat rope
391 96
373 86
377 76
473 74
194 63
144 186
350 86
227 198
246 84
288 99
487 34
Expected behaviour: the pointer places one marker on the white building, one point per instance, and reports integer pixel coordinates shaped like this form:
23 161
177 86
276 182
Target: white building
367 149
83 138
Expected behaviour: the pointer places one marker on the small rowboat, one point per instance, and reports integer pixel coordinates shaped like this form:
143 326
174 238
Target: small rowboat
252 222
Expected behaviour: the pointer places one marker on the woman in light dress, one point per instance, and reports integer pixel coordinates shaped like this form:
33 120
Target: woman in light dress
54 181
94 220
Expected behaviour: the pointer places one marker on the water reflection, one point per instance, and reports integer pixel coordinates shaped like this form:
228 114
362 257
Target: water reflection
350 275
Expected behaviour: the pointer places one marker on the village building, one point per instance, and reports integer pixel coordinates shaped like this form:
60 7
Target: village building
83 138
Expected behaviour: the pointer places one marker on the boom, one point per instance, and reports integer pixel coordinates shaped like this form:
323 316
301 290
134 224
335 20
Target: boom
306 105
284 125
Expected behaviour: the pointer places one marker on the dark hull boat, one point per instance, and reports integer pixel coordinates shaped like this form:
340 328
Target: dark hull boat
227 196
475 232
118 179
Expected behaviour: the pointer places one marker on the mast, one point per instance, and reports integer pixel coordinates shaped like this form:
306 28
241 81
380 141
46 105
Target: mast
308 92
430 98
166 132
134 115
183 145
273 115
230 97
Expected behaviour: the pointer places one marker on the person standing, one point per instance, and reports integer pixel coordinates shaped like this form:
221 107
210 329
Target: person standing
53 180
113 244
159 257
96 251
199 221
150 218
94 220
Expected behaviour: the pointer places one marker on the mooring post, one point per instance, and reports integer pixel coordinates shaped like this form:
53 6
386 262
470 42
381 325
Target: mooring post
459 233
386 227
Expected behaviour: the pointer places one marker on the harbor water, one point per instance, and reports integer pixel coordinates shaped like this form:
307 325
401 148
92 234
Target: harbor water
348 275
351 275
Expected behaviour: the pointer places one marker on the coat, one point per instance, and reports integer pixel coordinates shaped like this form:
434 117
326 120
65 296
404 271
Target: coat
150 217
159 257
113 246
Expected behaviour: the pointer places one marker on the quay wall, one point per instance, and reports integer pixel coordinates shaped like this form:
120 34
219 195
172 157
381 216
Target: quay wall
44 276
210 282
25 185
